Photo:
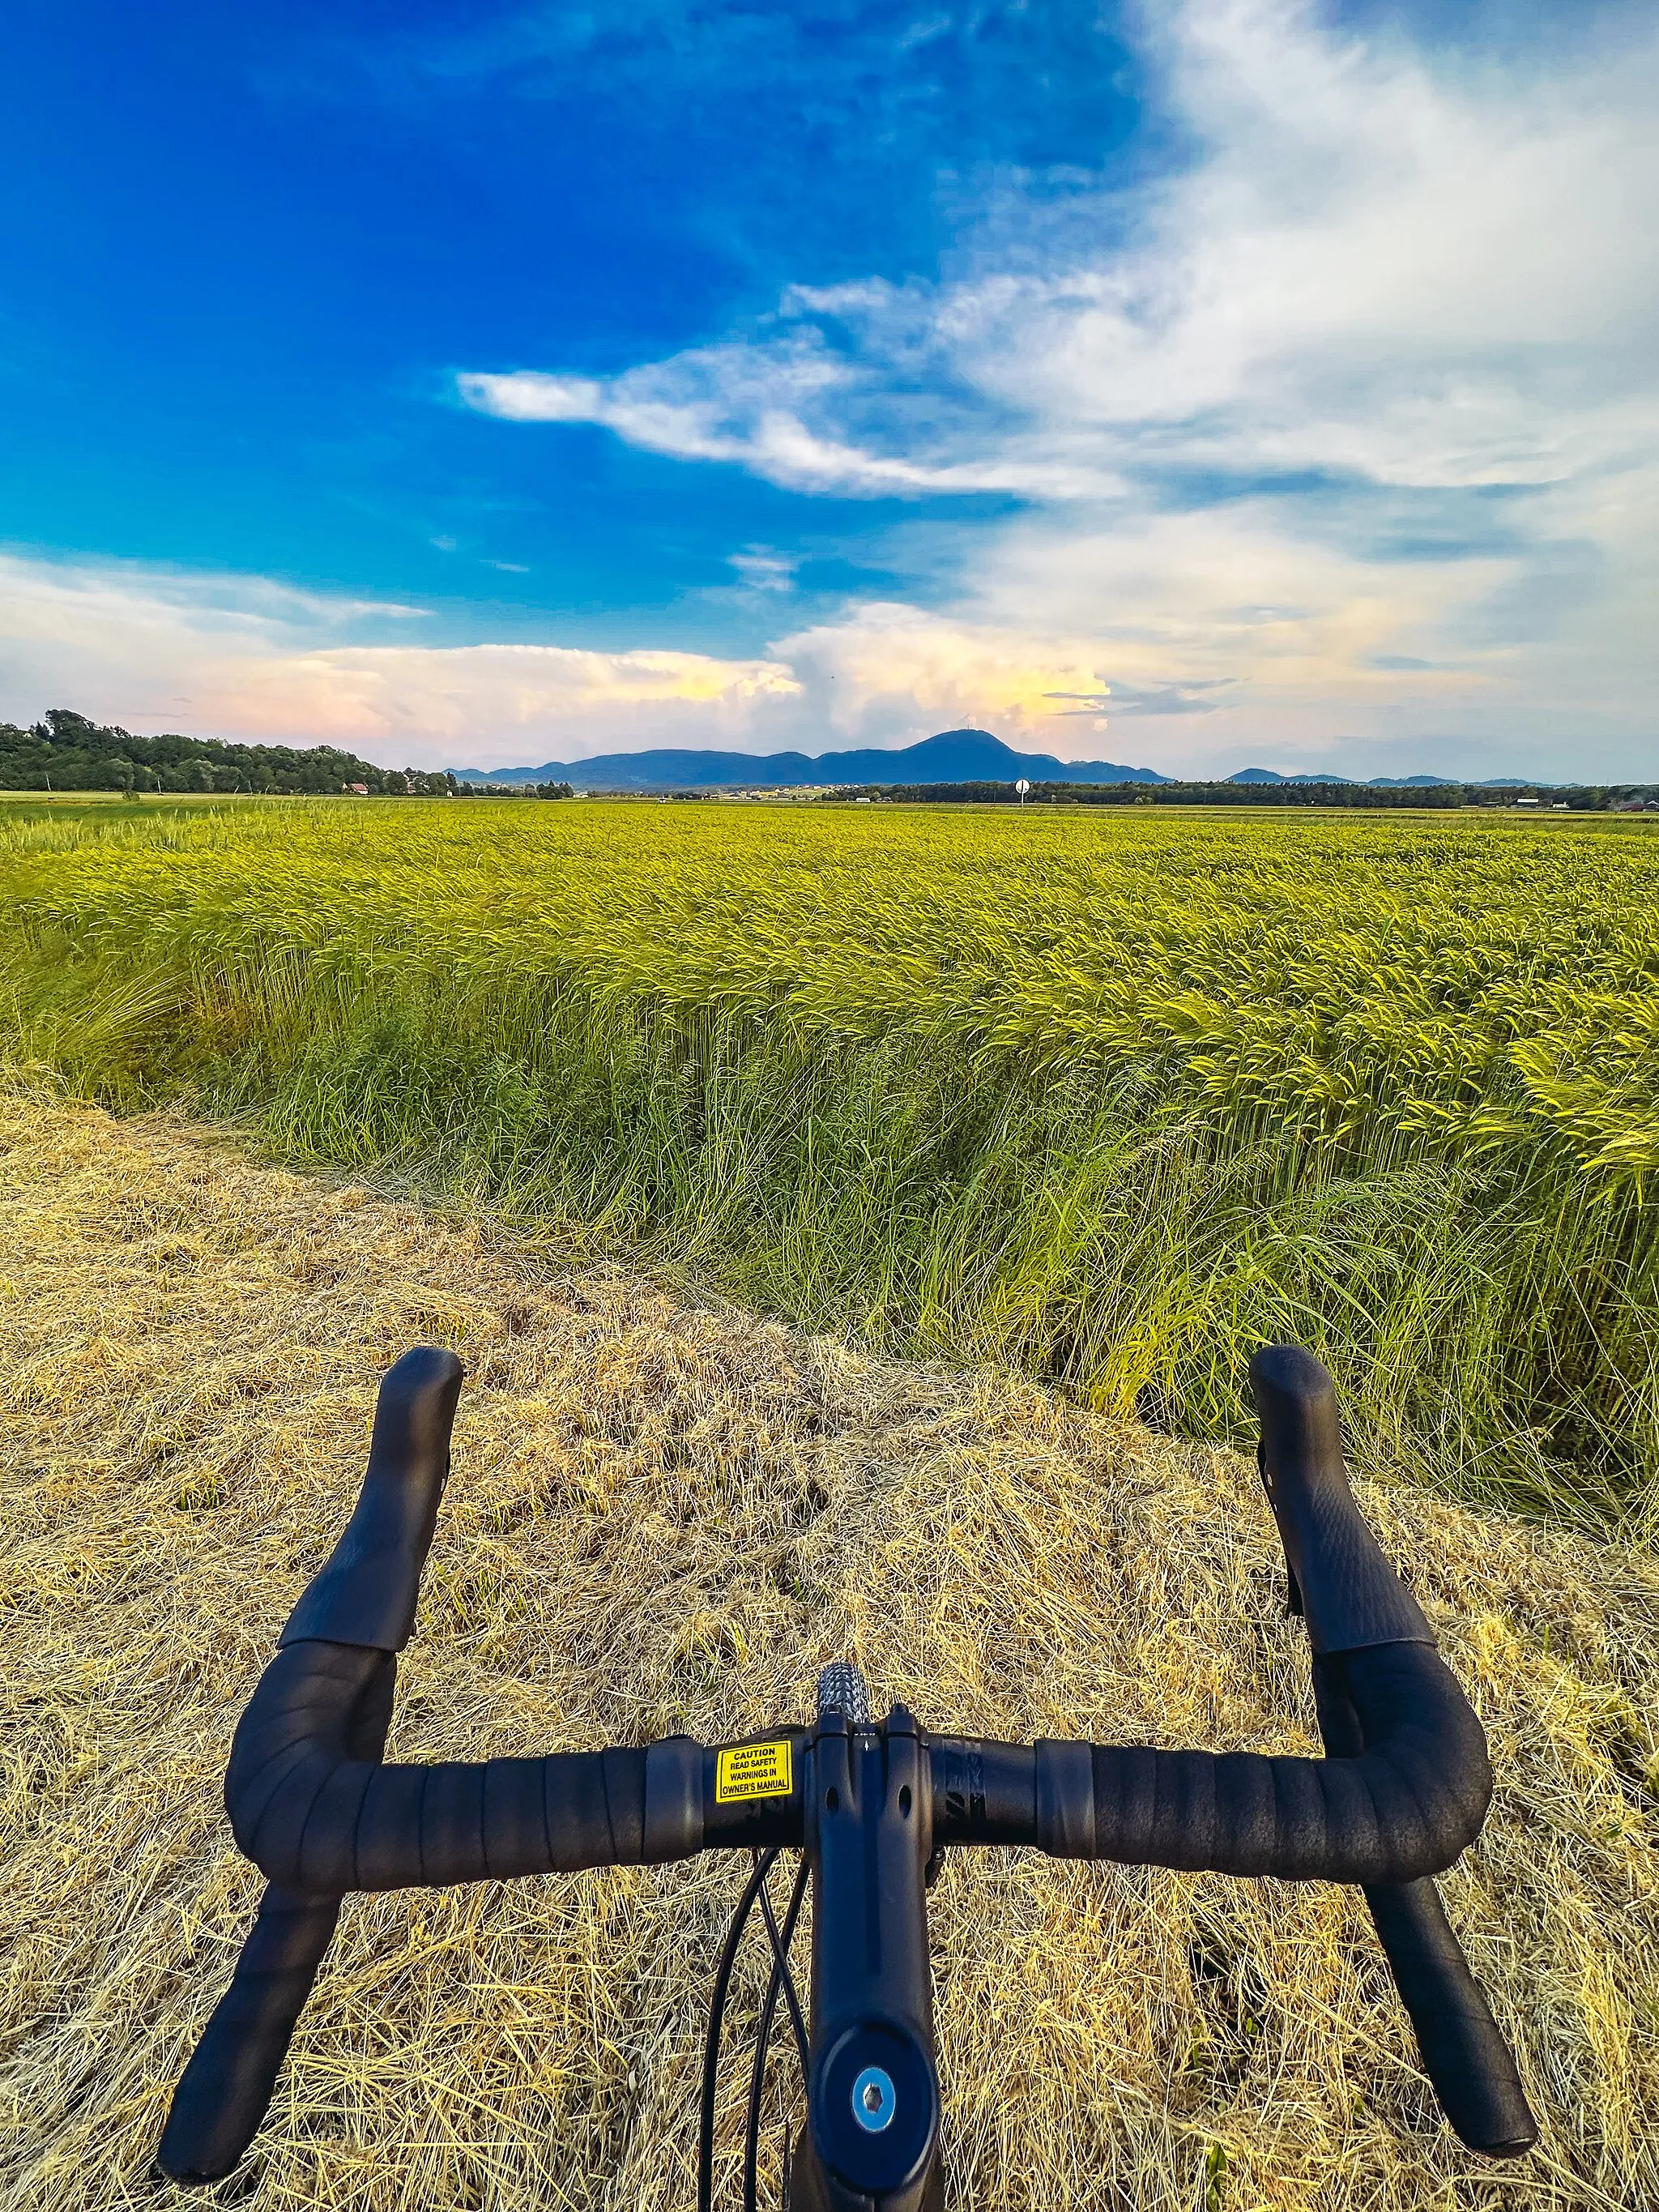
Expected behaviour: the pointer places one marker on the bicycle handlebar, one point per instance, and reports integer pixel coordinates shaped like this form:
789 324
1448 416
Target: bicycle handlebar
316 1820
1404 1788
367 1589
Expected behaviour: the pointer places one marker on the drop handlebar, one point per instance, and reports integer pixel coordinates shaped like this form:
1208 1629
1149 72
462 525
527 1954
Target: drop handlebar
1402 1790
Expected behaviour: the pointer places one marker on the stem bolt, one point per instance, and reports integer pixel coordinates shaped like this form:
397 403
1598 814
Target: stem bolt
873 2100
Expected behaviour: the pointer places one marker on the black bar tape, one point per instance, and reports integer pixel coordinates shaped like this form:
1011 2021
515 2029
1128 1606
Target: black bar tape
316 1820
674 1817
622 1787
1351 1596
223 2091
366 1591
1066 1800
515 1815
1460 2045
1403 1807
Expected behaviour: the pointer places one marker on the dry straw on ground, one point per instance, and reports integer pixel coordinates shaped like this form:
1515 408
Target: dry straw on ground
663 1517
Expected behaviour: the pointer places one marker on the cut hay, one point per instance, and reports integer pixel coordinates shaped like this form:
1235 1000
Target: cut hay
664 1518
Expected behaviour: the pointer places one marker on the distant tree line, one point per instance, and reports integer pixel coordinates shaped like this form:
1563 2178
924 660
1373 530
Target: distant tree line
66 752
515 790
1580 799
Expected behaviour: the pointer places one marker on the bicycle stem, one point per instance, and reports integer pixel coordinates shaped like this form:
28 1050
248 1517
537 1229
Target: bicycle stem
872 2091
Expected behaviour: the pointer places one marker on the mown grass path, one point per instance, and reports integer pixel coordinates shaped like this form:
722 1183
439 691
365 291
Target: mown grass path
668 1516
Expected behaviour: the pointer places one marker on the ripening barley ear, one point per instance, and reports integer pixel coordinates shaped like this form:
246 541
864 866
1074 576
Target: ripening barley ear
1169 1086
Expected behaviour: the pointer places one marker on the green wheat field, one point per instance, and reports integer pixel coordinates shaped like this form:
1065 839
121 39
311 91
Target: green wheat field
1109 1099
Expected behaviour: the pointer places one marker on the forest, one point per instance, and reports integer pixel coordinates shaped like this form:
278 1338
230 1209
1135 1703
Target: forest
64 751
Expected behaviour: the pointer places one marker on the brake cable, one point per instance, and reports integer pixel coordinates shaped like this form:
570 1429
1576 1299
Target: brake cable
780 1977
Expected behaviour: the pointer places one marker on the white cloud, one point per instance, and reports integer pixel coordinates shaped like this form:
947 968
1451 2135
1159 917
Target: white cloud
227 656
1414 274
753 406
1368 380
1128 645
1339 442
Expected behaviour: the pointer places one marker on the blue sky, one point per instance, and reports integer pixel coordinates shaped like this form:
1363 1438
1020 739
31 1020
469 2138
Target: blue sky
1232 381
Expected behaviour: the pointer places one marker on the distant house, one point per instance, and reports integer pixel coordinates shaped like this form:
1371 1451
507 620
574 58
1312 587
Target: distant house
356 790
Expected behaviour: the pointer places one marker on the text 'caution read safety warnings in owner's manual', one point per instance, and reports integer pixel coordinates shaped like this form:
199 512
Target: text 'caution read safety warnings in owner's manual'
751 1770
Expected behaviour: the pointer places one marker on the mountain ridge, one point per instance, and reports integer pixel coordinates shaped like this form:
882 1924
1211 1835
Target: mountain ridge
1372 783
964 755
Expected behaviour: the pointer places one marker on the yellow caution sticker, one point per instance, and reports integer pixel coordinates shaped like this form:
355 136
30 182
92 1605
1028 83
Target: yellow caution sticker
752 1769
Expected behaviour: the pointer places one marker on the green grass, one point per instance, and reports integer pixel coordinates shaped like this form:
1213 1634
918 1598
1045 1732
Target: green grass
1112 1100
103 807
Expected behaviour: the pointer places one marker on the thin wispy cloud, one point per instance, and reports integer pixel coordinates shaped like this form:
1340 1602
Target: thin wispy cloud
763 568
1144 699
769 407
